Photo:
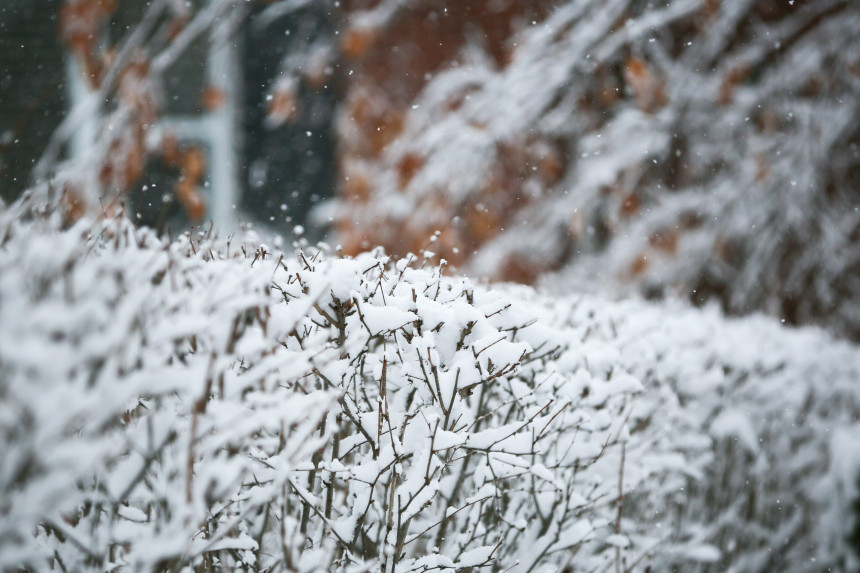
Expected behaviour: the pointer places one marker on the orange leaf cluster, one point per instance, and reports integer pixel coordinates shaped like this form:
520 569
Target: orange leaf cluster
390 67
521 168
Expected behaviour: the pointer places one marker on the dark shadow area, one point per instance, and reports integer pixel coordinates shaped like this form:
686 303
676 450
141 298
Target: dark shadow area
289 168
32 89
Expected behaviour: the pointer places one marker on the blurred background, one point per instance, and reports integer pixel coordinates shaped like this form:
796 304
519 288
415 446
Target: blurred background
700 149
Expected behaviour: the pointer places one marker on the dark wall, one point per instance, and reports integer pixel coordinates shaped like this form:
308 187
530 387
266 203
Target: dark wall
284 165
32 93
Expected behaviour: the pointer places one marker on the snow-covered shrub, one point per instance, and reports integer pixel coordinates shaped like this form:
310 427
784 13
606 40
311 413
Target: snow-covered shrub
782 410
206 404
130 431
469 430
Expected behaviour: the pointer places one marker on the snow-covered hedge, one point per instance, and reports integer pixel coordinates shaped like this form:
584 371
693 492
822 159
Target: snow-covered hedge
129 431
210 405
180 404
781 410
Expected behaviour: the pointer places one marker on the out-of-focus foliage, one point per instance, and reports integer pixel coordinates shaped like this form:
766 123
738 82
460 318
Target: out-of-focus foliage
700 147
703 148
123 102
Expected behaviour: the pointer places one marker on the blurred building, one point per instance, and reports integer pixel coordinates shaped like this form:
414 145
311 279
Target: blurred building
214 100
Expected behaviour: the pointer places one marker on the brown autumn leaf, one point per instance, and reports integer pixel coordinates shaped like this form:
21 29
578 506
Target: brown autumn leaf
482 223
170 149
81 23
192 165
630 205
407 167
358 41
639 266
177 24
649 88
212 98
283 104
551 165
72 204
356 186
711 8
520 269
